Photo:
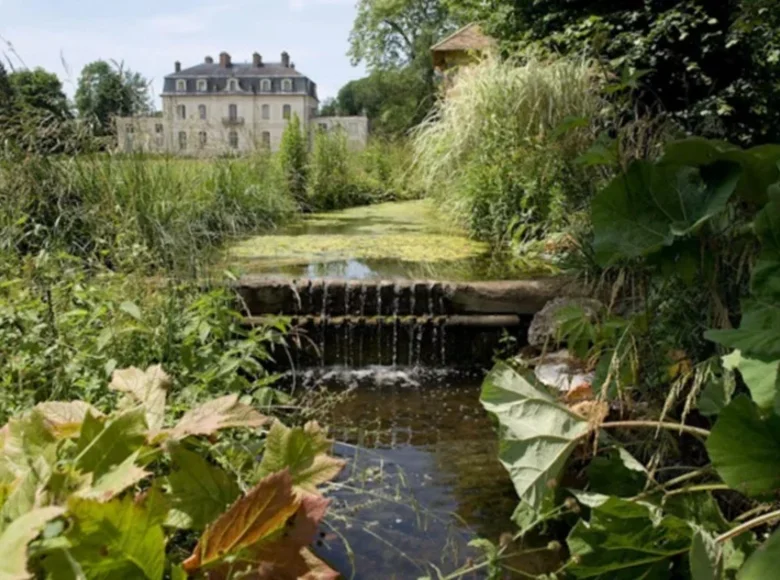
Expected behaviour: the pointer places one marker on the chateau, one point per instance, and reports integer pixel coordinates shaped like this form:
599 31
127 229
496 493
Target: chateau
216 108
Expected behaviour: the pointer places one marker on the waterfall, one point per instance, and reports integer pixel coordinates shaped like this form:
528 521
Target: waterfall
443 337
347 326
396 300
323 321
379 322
363 291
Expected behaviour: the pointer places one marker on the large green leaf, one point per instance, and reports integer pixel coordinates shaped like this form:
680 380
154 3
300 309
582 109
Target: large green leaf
303 452
762 564
759 164
122 538
114 482
745 448
758 335
14 540
626 540
650 205
537 433
706 557
102 446
146 388
616 473
762 378
199 491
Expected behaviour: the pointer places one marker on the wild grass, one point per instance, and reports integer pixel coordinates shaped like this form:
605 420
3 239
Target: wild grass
500 149
136 211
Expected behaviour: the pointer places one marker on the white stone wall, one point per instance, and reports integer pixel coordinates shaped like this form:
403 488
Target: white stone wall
250 125
355 128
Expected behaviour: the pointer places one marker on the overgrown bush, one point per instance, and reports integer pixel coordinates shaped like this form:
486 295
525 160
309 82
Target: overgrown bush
65 332
500 149
694 362
330 185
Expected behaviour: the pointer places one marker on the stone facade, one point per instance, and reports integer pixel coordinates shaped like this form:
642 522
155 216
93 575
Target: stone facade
221 108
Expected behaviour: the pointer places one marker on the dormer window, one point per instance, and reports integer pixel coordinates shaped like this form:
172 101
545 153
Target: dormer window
181 85
202 85
233 85
286 86
265 85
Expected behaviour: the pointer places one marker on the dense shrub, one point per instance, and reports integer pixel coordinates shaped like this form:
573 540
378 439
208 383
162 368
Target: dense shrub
293 158
501 149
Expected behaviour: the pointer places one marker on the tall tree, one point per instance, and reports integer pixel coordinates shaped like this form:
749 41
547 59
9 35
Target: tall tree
394 38
713 65
41 92
105 91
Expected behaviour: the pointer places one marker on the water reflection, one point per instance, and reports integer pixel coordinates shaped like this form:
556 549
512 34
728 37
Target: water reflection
423 477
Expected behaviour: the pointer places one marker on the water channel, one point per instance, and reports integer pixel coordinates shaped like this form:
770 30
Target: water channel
423 478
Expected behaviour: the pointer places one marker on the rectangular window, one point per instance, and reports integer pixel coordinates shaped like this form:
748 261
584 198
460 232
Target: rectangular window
182 141
232 112
266 140
202 112
158 128
202 85
266 112
233 138
181 111
181 85
286 112
202 138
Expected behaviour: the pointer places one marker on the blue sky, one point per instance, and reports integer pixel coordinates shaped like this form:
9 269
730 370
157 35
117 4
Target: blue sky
149 35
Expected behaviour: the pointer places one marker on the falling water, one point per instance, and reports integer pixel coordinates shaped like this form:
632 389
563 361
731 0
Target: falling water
323 321
412 323
418 343
363 291
432 313
379 322
443 333
347 326
396 299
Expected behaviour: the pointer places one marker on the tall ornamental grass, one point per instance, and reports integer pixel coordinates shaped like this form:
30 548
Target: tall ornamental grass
499 151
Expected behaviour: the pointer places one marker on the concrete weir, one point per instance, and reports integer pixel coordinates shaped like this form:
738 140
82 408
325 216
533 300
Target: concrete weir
406 322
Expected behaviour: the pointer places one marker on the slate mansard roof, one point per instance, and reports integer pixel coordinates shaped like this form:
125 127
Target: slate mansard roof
249 77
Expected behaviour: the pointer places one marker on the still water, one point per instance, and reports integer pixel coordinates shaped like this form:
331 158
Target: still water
423 478
399 240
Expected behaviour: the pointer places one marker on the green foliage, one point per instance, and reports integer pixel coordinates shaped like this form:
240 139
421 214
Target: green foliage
537 435
394 100
714 67
93 518
329 180
293 158
631 520
493 153
105 91
136 212
70 331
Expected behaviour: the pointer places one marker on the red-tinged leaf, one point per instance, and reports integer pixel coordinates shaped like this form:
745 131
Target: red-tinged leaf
281 554
218 414
250 521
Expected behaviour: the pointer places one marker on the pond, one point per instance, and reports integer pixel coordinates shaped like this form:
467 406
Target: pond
407 240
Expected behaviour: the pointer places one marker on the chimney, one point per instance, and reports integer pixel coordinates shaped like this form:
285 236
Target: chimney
285 60
224 60
292 65
257 60
177 66
209 60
